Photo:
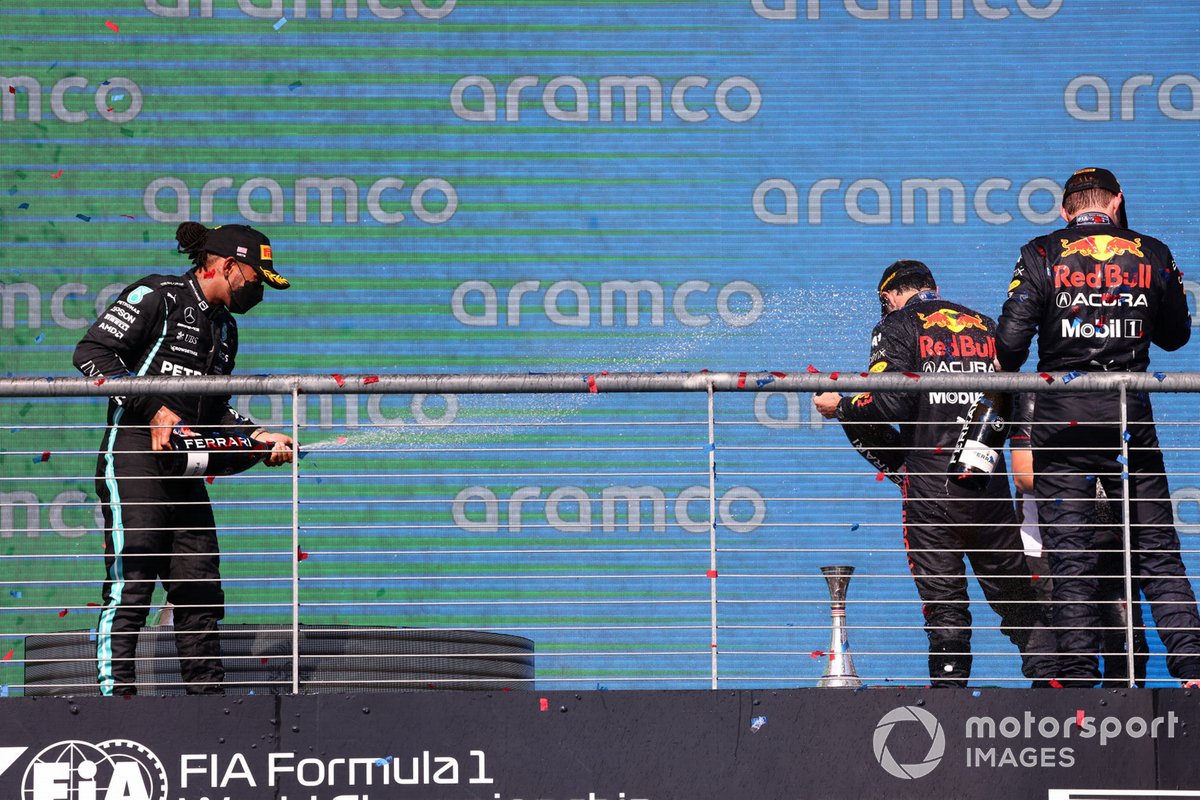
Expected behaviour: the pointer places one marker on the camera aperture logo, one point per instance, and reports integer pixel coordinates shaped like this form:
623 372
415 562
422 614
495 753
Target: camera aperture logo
928 723
116 769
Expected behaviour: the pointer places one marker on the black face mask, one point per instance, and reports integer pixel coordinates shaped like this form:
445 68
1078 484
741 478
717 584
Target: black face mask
245 297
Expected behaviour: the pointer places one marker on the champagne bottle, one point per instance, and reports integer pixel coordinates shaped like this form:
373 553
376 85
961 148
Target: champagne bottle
977 450
222 454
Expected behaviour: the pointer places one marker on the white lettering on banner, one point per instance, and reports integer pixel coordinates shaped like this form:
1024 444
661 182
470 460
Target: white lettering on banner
795 404
1190 288
12 502
736 99
477 508
428 9
377 415
1089 97
432 201
58 99
576 312
868 201
32 299
906 9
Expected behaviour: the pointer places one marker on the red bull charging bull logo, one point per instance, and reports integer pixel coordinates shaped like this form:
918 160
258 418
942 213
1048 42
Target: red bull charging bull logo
956 321
1101 248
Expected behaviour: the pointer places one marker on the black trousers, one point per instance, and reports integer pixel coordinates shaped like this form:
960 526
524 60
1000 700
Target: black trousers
1068 460
941 526
157 528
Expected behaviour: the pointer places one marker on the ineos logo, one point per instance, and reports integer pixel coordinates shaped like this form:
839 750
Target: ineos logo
933 728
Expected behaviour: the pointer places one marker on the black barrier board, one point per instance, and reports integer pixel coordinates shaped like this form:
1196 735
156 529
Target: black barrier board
601 745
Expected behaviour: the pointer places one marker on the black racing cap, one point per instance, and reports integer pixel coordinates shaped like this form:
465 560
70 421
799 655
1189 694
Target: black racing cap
1091 178
900 270
248 246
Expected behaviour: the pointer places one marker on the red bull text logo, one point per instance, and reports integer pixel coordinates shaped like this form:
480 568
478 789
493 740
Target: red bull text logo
956 321
963 346
1108 277
1102 248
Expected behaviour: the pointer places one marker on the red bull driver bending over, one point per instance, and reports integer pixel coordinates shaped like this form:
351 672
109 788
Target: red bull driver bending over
1097 294
921 332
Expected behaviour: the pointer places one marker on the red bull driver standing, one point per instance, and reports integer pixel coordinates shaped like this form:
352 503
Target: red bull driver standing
157 525
921 332
1097 294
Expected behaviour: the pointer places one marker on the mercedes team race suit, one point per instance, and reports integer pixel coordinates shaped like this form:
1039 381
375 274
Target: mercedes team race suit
158 526
1096 295
942 521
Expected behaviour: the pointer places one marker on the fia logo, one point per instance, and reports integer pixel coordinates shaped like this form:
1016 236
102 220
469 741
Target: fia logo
117 769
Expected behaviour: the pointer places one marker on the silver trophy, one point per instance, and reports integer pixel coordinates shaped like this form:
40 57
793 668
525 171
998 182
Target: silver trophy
839 671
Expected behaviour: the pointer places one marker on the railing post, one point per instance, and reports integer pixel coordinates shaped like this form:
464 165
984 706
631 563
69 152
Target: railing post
296 539
712 536
1126 543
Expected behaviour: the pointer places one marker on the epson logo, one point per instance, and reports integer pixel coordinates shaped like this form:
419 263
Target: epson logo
1096 102
1112 329
275 9
113 90
566 98
432 201
871 201
907 9
570 304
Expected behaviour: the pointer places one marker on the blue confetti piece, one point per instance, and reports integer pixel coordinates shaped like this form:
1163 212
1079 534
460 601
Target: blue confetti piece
251 691
13 190
757 723
1124 476
41 337
1122 460
15 594
1070 376
118 97
766 380
1125 436
712 448
294 86
854 527
4 690
1091 478
1160 376
92 635
976 693
281 23
1058 501
83 217
23 205
52 66
104 83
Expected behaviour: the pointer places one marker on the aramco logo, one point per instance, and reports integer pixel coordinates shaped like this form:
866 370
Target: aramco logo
902 718
117 769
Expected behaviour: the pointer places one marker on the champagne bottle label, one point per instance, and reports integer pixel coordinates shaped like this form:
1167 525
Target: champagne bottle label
977 455
227 454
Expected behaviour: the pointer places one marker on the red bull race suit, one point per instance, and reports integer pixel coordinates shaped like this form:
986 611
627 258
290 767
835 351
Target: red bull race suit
1097 295
943 521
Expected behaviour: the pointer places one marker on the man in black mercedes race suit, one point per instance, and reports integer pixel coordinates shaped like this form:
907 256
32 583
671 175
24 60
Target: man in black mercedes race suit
922 333
1097 294
158 525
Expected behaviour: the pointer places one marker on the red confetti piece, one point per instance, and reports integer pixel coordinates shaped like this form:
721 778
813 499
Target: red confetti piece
817 654
12 90
1072 424
93 605
1079 717
370 379
937 450
342 440
1047 377
45 455
591 380
543 704
8 656
128 216
338 379
209 479
833 376
1036 577
1054 684
879 476
63 613
912 375
779 374
712 573
112 26
99 381
58 174
812 370
741 380
262 661
864 375
301 555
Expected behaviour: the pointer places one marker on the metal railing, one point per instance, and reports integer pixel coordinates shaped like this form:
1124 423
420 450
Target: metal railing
637 539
